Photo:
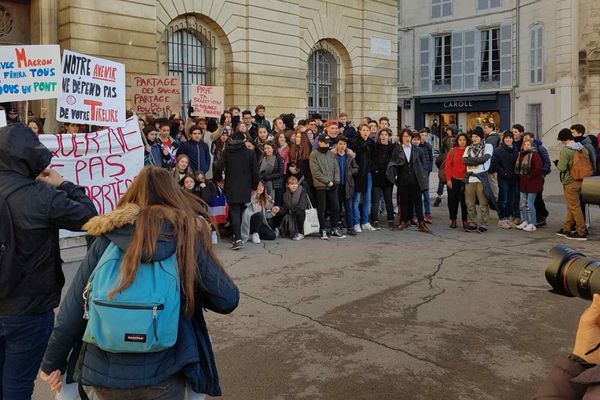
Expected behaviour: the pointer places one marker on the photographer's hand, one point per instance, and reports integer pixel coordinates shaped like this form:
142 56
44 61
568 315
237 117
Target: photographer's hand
588 333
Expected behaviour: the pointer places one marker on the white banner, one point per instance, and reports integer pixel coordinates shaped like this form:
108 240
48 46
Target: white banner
29 72
104 162
93 91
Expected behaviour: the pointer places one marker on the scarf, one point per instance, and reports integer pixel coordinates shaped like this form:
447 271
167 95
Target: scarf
292 200
323 149
524 164
267 165
476 150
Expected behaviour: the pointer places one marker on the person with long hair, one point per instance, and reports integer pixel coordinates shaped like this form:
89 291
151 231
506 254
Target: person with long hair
182 167
363 147
259 211
454 172
382 186
529 170
218 146
271 172
36 126
153 221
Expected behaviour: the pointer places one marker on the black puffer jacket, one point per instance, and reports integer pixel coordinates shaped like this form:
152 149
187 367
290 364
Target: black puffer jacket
38 212
383 154
503 162
365 153
241 172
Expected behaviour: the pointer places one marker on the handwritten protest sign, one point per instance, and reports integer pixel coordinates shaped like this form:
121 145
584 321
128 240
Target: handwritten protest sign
156 94
29 72
208 101
93 91
104 162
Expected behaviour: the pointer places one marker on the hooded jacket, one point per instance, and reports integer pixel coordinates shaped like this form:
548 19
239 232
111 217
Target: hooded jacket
241 172
565 161
324 168
191 355
545 156
503 162
38 211
587 143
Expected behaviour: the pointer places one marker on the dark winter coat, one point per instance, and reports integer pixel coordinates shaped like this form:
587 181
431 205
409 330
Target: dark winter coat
191 355
534 181
427 151
407 172
503 162
350 132
494 140
207 193
569 380
277 176
365 153
198 153
383 154
38 211
241 172
545 156
324 168
263 121
351 169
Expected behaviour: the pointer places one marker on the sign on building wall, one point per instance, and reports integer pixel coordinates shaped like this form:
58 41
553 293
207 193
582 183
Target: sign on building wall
208 101
93 91
380 46
29 72
104 162
156 94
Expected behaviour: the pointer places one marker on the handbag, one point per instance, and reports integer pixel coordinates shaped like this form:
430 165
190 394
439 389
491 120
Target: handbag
311 221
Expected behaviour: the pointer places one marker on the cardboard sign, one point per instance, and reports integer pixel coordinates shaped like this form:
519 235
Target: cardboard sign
156 94
2 118
208 101
93 91
104 162
29 72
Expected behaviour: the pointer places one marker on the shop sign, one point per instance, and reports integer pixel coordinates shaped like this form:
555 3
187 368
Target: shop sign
457 104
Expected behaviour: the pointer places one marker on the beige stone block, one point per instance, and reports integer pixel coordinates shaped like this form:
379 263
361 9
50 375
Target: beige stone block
274 51
79 31
96 18
120 7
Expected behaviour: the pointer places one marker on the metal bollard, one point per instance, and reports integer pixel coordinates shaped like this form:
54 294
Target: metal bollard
590 190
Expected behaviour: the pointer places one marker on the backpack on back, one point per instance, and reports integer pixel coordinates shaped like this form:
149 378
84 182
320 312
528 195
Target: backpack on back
10 274
143 318
581 166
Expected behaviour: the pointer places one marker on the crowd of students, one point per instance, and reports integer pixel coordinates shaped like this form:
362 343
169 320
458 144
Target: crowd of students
269 174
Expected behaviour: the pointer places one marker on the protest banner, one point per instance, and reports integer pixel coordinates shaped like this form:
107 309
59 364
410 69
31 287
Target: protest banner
208 101
93 91
29 72
104 162
156 94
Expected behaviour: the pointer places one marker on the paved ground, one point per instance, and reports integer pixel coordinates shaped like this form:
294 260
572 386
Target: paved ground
395 315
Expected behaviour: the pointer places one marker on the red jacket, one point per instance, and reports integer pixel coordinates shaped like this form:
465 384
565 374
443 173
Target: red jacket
454 167
534 182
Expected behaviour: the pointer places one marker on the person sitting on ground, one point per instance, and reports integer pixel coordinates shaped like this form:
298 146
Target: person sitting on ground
292 212
256 216
182 167
206 188
529 169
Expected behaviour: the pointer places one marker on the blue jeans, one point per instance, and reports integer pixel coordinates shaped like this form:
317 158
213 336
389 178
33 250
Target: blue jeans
426 200
508 199
362 216
23 341
528 207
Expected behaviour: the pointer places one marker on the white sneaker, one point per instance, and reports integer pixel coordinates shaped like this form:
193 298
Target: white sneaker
277 233
298 236
504 224
530 228
357 228
368 227
214 238
255 238
522 225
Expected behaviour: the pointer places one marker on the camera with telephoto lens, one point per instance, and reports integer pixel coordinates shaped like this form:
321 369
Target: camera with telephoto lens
572 274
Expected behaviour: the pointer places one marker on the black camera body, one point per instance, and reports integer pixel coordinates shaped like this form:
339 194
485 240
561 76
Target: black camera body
572 274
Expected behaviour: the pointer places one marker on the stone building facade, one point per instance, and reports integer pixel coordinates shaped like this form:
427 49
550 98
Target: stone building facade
533 62
290 55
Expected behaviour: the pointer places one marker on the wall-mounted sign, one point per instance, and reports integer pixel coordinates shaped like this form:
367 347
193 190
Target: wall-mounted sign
380 46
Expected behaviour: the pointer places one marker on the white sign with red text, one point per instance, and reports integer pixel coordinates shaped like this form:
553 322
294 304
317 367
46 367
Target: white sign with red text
207 101
93 91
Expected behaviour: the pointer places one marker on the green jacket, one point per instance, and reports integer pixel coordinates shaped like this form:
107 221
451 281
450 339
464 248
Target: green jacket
324 168
565 161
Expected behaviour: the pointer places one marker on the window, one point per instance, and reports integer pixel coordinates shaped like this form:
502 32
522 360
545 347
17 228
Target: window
441 8
534 119
322 95
536 55
488 4
490 55
442 60
187 58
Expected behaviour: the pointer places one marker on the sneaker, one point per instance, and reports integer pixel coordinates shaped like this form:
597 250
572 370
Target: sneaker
214 238
298 236
577 236
277 233
368 228
530 228
413 221
428 219
336 233
516 220
237 245
471 229
351 232
541 223
437 201
357 228
503 223
255 238
522 225
482 229
324 235
375 224
562 233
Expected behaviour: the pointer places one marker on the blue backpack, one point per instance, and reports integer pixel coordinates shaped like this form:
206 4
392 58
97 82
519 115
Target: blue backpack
144 317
